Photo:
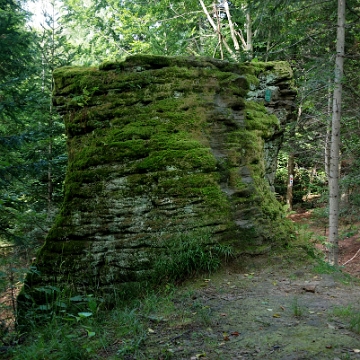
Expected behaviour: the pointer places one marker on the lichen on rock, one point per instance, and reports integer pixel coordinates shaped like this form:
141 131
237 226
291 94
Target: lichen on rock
161 146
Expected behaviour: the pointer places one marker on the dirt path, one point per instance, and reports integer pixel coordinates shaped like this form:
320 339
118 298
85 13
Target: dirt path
280 311
260 315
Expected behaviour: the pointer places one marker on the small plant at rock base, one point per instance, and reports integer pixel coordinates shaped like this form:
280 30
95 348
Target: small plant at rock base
131 346
204 316
51 303
190 254
345 357
342 311
355 322
167 354
351 314
296 308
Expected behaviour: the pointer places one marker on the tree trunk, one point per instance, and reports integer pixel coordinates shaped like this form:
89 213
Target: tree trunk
289 193
249 35
328 135
218 31
334 198
231 26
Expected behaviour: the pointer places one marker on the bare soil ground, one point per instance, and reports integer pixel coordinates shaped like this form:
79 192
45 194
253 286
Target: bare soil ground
281 309
274 313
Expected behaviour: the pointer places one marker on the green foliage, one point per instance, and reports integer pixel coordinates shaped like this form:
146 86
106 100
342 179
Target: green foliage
32 140
115 30
82 100
13 267
59 304
15 57
189 254
81 328
308 183
309 136
324 267
351 314
355 322
342 311
56 341
296 308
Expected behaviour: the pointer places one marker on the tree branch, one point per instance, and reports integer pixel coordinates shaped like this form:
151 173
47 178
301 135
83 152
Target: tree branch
231 26
211 21
351 258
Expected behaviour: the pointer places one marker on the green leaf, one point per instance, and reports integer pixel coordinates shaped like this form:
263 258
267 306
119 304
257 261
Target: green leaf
85 314
90 333
61 304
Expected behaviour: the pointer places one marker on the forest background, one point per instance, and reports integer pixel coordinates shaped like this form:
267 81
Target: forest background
87 32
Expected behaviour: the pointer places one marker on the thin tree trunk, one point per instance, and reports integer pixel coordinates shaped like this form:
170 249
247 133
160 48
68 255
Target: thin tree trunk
50 139
201 39
328 134
51 125
249 35
219 32
312 174
334 198
289 192
231 26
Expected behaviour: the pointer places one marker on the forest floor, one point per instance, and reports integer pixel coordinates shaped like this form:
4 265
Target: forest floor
283 307
282 313
349 244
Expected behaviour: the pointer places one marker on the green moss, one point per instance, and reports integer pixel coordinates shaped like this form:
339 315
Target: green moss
187 184
183 159
257 118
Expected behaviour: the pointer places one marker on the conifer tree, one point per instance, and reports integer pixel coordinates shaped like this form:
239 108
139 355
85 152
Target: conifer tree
334 193
15 60
32 140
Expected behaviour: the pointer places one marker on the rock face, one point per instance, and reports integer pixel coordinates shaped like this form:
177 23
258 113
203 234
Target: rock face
159 147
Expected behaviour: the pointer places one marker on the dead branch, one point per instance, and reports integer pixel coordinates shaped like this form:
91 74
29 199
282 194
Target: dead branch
351 258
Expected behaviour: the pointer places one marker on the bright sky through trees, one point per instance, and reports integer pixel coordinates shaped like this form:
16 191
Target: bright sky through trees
37 9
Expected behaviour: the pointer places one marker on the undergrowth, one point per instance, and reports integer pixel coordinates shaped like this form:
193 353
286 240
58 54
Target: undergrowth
75 326
14 262
86 335
190 254
119 333
351 314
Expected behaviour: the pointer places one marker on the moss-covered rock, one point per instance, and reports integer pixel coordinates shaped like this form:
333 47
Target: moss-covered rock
160 146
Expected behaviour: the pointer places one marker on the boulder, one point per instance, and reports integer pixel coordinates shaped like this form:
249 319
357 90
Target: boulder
165 153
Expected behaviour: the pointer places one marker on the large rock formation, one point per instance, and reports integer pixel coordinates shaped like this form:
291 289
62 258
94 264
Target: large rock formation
158 147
